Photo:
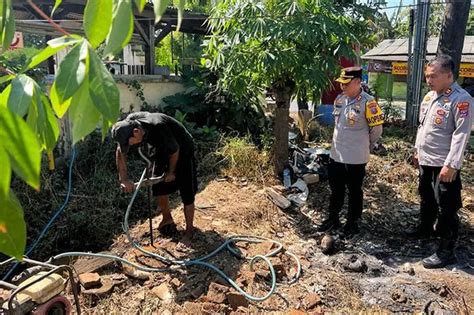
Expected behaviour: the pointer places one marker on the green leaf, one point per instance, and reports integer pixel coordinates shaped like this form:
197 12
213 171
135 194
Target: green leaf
22 147
65 41
56 5
6 78
7 23
159 7
12 226
53 47
97 20
21 94
103 89
5 170
180 13
5 95
122 27
41 119
60 108
83 114
71 72
140 5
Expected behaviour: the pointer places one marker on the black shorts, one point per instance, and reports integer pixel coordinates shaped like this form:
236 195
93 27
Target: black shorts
186 180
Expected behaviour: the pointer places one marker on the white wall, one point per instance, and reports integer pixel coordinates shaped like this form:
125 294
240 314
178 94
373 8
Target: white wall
155 88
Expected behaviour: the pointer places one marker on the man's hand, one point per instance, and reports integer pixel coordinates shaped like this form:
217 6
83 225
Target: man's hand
447 174
127 186
415 160
170 177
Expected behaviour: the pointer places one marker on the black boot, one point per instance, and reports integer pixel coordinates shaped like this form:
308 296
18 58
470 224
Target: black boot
329 225
421 231
442 257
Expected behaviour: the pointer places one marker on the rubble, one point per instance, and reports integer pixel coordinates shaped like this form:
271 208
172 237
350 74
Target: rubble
162 292
89 280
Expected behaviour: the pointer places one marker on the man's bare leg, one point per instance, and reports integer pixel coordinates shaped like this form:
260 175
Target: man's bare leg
163 204
189 217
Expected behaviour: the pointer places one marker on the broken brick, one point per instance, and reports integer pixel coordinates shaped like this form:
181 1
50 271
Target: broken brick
236 300
216 293
246 278
311 300
89 280
162 292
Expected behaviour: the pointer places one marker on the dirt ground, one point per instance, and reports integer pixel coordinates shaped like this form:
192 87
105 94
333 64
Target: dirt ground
390 278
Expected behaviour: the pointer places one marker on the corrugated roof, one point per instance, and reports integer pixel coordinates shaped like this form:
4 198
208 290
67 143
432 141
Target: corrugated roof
397 50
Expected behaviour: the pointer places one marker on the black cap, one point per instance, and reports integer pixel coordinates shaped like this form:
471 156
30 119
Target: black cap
121 132
347 74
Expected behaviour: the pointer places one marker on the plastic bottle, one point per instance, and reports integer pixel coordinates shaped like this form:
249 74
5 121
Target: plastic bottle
286 178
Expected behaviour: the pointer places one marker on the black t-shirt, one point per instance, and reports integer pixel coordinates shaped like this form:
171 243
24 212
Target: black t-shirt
166 135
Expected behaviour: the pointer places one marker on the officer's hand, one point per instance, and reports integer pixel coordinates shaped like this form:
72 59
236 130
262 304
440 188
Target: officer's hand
415 160
170 177
127 186
447 174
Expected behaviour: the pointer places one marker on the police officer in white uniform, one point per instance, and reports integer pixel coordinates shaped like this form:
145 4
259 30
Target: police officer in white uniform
358 125
445 123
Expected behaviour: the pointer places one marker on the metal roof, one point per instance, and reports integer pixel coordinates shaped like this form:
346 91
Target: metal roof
70 15
397 50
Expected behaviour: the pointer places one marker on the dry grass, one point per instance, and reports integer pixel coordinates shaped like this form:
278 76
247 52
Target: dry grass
244 160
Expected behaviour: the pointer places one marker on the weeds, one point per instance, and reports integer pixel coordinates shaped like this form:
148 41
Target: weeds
244 159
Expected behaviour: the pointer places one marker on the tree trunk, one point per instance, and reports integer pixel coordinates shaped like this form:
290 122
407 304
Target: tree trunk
282 93
451 39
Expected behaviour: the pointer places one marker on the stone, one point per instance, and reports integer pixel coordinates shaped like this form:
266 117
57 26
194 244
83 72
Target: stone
162 292
105 288
311 300
246 278
192 308
90 280
327 244
296 312
197 292
263 249
216 293
236 300
175 283
135 273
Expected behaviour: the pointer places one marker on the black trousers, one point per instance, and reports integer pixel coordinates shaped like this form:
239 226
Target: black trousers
342 176
439 200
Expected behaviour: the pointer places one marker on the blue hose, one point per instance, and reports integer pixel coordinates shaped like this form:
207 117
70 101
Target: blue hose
175 264
58 212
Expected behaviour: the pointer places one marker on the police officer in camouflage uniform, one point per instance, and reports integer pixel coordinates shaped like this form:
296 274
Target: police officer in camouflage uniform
358 125
445 123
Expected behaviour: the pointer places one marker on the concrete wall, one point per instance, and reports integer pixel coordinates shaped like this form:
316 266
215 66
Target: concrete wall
155 88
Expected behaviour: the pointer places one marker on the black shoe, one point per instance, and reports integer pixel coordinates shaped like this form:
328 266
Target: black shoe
350 229
328 225
439 259
421 231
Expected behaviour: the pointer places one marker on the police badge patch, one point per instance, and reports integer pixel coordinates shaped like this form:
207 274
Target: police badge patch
463 108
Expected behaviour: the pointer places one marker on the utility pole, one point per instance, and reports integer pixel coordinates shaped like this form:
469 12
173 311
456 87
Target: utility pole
419 54
453 29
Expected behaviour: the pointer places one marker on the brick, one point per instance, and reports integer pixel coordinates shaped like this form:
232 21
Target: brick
90 280
236 300
246 278
216 293
311 300
162 292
